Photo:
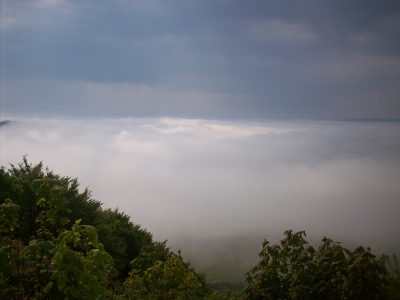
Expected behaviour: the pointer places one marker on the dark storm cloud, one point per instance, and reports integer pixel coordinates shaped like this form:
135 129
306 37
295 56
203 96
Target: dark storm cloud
290 59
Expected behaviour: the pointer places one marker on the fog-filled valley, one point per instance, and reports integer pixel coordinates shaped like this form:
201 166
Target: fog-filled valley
216 189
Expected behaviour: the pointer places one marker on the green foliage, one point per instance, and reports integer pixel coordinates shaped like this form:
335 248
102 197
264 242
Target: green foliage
53 216
122 239
392 266
17 186
78 259
74 265
8 217
365 276
148 257
294 270
161 274
6 186
169 279
17 270
273 276
11 252
80 263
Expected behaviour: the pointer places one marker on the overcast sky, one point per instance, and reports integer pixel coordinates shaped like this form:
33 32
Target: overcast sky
214 124
203 59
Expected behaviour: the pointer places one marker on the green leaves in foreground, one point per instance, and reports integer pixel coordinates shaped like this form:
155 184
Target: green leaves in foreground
72 266
81 263
294 270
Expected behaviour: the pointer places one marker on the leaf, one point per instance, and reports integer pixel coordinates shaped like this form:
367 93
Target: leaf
48 287
36 184
92 236
41 201
61 283
64 221
56 191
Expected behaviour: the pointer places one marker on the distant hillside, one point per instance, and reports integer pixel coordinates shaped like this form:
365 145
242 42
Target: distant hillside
4 122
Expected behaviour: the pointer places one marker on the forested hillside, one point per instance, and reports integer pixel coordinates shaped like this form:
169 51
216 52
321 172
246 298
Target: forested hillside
58 243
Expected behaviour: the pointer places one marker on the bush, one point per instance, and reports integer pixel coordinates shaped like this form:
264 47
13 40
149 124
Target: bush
295 270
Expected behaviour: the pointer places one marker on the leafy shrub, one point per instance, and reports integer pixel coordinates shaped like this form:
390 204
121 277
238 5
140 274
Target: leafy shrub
295 270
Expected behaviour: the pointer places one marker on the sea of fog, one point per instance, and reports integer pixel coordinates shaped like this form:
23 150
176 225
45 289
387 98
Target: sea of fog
215 189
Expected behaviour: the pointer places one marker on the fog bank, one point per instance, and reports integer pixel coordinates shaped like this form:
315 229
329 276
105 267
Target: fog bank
199 183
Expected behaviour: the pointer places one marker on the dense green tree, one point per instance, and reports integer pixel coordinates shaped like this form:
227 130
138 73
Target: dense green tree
16 182
123 239
6 186
73 265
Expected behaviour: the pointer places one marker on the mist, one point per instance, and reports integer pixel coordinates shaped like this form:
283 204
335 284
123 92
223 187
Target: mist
216 188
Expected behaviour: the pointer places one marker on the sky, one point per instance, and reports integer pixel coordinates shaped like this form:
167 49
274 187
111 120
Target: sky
213 124
201 59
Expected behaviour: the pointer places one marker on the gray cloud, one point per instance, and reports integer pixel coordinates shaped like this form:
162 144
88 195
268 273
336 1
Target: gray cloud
280 59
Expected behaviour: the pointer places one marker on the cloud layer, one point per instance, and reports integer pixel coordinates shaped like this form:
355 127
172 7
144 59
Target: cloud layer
194 179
